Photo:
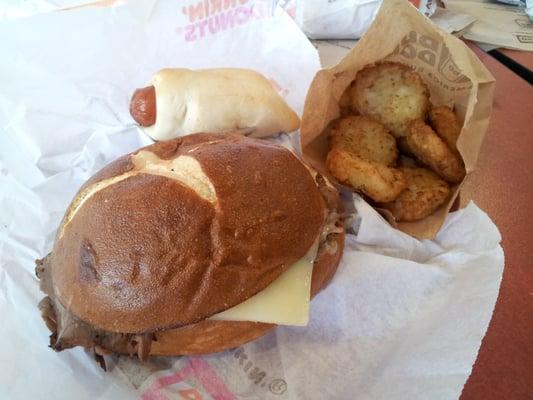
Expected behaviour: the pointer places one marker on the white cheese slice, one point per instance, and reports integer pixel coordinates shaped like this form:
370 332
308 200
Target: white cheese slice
284 302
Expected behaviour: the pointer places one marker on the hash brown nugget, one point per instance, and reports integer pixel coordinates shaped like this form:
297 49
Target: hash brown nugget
407 162
446 125
377 181
345 103
424 194
365 138
432 151
390 93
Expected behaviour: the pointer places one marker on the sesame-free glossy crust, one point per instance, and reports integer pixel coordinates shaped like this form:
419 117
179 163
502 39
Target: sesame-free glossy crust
211 336
148 253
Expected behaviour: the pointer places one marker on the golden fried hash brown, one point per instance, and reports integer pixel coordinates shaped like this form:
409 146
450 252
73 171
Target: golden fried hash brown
407 162
404 147
345 103
377 181
424 194
445 123
392 94
431 150
365 138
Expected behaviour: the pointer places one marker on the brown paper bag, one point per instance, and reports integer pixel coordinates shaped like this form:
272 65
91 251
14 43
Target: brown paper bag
453 73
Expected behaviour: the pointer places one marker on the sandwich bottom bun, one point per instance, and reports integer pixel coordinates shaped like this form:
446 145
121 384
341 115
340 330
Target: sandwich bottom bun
92 257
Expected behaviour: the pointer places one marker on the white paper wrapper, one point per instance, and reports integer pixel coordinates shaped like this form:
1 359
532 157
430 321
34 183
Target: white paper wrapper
498 24
11 9
452 22
341 19
402 319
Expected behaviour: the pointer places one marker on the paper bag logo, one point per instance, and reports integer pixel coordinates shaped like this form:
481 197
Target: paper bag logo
524 23
433 53
525 38
209 17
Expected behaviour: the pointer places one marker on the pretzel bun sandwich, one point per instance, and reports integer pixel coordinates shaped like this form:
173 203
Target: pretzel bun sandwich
190 246
182 101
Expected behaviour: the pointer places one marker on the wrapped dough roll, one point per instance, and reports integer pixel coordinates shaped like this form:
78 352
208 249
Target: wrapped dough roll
182 101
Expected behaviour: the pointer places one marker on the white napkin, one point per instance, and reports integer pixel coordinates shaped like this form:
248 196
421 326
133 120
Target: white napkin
401 319
10 9
341 19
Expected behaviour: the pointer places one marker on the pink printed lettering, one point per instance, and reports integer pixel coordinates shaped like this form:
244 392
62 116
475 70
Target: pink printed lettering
258 10
201 372
214 24
201 25
242 14
189 33
225 20
213 16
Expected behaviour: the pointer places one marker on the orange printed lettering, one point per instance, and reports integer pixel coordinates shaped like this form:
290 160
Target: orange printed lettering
190 394
195 12
229 4
216 6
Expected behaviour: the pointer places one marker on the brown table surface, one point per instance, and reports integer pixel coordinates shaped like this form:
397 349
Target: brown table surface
502 186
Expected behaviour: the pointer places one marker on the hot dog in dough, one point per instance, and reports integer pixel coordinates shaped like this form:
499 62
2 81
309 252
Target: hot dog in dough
216 100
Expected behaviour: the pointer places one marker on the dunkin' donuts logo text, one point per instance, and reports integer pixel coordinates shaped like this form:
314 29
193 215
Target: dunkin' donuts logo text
195 381
209 17
436 57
